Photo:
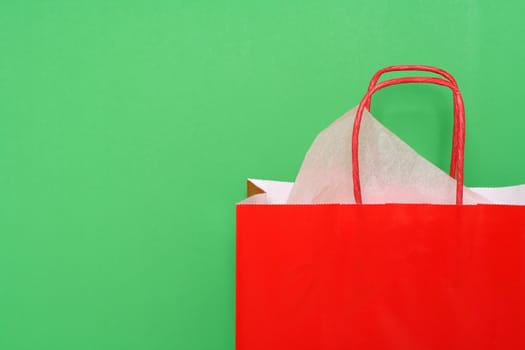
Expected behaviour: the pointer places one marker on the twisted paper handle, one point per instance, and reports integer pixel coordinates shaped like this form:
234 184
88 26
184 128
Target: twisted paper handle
458 148
422 68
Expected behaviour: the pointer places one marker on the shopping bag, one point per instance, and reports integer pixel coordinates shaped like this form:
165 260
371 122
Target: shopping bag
386 275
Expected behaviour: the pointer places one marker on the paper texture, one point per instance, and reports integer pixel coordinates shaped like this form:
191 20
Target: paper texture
277 192
390 171
503 195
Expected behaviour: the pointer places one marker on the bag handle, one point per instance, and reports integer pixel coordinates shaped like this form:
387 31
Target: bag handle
408 67
422 68
458 149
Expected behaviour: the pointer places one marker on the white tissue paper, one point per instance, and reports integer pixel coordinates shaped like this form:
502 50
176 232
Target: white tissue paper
390 172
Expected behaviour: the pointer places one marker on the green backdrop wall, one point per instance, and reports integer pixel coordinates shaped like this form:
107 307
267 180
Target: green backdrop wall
128 128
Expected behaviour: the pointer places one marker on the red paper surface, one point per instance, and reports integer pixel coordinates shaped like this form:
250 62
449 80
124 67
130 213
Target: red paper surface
400 276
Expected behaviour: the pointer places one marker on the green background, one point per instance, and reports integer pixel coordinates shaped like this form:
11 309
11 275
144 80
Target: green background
128 128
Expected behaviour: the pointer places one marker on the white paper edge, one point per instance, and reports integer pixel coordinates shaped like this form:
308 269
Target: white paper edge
277 192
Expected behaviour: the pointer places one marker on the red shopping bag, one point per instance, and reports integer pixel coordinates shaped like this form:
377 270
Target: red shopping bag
382 276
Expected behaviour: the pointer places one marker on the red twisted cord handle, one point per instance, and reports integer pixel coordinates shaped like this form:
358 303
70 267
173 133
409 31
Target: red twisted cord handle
409 67
458 150
423 68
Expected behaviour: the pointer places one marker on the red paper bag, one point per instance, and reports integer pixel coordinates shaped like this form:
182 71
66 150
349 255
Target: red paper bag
382 276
